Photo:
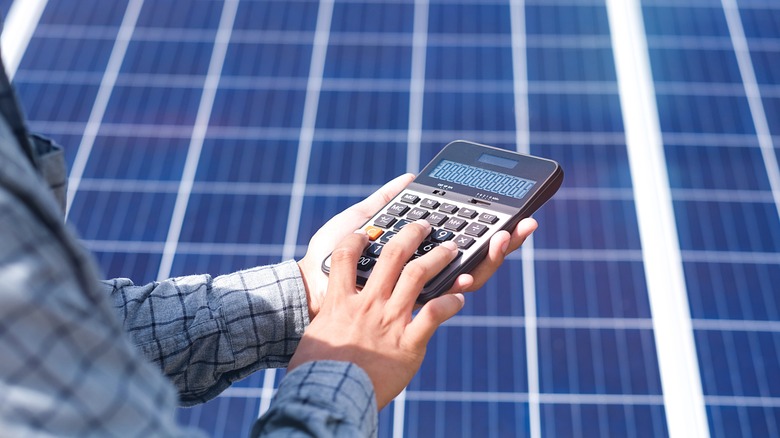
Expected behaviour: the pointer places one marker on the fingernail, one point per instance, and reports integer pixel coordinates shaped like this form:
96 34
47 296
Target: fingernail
361 231
460 298
504 247
450 245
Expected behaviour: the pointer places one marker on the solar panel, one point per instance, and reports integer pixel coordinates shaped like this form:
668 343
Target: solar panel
186 126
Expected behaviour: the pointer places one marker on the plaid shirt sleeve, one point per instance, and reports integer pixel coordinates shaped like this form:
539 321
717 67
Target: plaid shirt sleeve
67 363
322 399
205 333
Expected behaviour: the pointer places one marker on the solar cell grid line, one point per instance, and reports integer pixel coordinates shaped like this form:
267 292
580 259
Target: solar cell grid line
101 100
307 132
753 93
414 138
195 147
522 130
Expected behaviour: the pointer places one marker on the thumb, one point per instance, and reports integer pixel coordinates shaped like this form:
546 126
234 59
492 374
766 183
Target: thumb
431 316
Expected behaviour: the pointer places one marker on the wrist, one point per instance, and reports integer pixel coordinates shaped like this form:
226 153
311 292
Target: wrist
311 303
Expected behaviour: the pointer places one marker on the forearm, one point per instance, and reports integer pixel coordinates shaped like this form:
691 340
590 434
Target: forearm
205 333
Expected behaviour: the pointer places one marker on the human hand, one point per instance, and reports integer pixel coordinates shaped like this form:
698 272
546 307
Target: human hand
334 231
342 225
374 329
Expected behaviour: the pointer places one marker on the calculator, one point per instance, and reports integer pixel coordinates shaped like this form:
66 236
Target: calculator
467 193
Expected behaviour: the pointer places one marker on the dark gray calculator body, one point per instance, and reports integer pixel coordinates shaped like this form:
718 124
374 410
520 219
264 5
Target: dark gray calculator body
467 193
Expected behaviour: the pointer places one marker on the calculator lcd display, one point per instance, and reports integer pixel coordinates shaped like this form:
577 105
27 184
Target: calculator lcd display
482 179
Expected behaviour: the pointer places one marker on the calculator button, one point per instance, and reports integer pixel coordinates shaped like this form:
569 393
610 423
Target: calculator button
373 233
455 224
410 198
374 250
464 242
441 235
436 219
468 213
417 213
402 223
426 247
365 263
397 209
448 208
387 236
384 221
429 203
488 218
476 229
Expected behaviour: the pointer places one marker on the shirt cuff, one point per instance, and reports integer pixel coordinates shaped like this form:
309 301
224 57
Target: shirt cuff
266 312
324 398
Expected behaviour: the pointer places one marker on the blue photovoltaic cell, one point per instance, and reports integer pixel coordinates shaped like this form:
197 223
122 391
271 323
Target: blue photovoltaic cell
139 266
603 420
564 20
373 17
471 418
180 14
122 216
695 65
728 226
716 168
605 361
119 157
278 60
733 291
571 64
363 110
596 358
228 218
67 55
281 16
378 162
247 161
592 289
86 13
250 108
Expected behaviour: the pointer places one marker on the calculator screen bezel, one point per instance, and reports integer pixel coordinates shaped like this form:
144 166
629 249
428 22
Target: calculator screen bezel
528 167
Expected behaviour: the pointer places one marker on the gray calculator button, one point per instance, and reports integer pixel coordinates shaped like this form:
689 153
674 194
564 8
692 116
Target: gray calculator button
448 208
476 229
429 203
417 213
384 221
468 213
455 224
488 218
436 219
397 209
410 198
464 242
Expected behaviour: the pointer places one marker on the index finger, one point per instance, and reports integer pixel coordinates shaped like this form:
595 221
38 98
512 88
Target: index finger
343 264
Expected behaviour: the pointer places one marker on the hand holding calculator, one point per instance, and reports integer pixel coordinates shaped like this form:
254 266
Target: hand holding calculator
468 192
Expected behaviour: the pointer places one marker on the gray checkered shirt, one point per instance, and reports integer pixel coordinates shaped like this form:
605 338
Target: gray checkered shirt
79 357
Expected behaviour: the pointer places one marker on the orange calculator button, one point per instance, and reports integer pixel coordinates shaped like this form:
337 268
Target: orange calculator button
374 232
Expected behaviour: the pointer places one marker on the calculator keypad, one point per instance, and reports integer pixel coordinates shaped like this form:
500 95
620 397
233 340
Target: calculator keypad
462 224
